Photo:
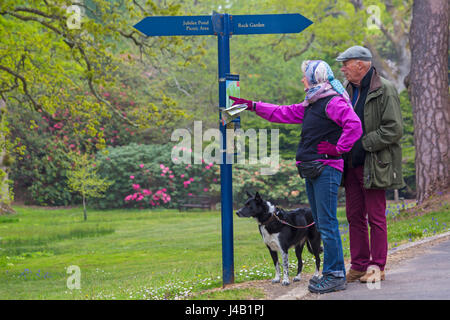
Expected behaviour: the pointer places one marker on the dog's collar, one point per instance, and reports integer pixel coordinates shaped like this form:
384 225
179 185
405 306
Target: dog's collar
274 216
271 218
297 227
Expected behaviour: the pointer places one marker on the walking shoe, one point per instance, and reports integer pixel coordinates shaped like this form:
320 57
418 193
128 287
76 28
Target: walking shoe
315 280
373 275
328 283
354 275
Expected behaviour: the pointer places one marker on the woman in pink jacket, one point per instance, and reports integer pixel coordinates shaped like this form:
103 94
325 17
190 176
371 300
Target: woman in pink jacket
330 127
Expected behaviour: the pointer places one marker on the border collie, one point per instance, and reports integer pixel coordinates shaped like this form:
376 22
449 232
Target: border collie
282 230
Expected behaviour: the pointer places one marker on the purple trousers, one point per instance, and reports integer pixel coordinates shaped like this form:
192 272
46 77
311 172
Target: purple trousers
364 208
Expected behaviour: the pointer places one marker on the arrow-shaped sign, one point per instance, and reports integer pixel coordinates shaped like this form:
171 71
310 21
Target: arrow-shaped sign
176 26
269 23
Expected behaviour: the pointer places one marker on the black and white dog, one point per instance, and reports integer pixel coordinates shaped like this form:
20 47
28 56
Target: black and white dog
282 230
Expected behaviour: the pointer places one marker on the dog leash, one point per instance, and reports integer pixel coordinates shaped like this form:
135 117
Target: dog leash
286 223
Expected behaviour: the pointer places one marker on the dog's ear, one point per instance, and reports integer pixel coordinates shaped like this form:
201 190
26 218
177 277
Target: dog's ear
249 194
258 197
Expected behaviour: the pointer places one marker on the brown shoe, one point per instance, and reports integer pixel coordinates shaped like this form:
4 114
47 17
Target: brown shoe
354 275
373 275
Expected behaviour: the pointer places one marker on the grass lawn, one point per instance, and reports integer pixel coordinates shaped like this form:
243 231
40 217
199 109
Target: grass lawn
143 254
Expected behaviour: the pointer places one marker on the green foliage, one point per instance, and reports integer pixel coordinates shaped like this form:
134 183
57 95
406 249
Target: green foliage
138 169
98 84
84 180
46 178
285 187
408 122
40 169
408 148
269 65
135 168
6 159
106 85
48 64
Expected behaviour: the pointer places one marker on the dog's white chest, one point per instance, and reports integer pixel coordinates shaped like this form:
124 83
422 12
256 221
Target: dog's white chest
270 239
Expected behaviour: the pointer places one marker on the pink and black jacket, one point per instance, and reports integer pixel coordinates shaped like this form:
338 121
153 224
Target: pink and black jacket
329 119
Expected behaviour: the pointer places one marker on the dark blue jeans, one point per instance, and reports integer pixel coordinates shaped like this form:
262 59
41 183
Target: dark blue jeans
323 196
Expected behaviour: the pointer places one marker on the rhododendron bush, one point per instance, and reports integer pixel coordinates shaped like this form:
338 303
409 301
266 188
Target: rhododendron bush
145 177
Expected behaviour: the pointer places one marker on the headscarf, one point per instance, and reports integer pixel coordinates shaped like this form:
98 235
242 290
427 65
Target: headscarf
321 80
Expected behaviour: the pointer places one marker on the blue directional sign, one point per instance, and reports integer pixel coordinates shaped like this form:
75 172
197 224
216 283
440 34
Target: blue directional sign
176 26
239 24
269 23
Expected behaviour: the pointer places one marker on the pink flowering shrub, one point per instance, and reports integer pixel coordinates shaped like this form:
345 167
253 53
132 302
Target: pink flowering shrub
146 177
142 195
191 185
154 199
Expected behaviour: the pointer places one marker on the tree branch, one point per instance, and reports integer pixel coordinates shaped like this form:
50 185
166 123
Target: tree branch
54 23
130 36
287 56
96 94
36 105
179 86
30 18
35 11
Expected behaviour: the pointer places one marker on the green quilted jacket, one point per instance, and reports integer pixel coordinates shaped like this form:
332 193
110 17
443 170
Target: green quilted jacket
383 129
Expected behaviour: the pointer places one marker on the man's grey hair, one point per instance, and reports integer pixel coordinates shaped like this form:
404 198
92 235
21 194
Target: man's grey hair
366 63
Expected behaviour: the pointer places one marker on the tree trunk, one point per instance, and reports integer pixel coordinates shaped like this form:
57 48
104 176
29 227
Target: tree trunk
5 197
84 208
429 39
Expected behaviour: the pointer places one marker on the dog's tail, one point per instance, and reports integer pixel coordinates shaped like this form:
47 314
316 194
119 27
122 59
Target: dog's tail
308 245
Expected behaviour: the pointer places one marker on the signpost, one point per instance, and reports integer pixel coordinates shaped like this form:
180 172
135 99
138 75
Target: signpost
237 24
223 26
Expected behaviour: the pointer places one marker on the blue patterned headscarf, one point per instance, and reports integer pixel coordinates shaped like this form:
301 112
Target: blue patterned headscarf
320 78
318 72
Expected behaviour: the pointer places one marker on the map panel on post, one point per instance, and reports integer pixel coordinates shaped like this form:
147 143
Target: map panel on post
175 26
269 23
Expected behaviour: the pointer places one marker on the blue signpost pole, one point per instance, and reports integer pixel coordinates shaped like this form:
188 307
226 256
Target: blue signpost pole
226 181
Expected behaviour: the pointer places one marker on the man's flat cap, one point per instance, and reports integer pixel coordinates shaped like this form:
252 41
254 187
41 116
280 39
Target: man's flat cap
355 52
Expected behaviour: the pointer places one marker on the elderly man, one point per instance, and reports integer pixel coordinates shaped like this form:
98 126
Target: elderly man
373 164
